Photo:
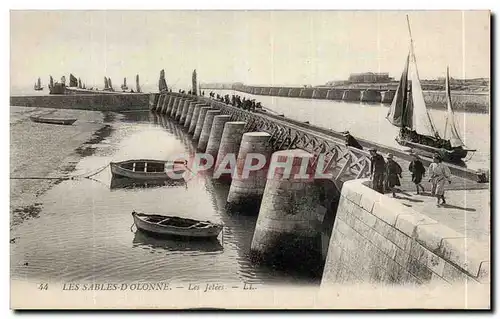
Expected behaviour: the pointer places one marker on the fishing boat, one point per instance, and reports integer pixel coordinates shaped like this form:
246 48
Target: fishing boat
124 86
50 120
148 169
38 85
409 112
175 226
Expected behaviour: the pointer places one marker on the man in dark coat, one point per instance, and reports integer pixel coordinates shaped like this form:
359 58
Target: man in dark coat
417 170
377 170
392 174
351 141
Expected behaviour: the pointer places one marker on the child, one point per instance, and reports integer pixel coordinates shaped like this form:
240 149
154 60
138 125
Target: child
417 170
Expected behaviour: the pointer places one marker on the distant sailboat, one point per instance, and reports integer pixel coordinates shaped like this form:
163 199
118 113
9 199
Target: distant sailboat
124 86
417 130
38 85
110 84
73 82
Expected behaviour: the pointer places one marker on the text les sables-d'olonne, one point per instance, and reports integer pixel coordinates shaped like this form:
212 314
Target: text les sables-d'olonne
151 287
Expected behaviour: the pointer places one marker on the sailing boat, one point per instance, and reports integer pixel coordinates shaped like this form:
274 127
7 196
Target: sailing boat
409 112
124 86
38 85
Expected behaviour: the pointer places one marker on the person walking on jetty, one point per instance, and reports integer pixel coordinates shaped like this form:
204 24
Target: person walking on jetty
377 169
417 170
439 173
392 174
351 141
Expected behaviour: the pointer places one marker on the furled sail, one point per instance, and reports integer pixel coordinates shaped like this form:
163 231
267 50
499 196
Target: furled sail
63 80
73 82
79 83
162 83
137 85
450 128
51 82
110 84
398 113
39 83
106 84
194 81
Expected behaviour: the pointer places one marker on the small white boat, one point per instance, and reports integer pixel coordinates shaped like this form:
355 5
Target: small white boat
148 169
175 226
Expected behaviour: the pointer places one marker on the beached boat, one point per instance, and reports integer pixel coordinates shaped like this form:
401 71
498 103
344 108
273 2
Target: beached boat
52 120
175 226
409 112
148 169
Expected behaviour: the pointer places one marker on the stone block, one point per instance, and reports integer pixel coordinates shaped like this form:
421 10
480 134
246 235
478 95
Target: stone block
401 257
452 274
427 258
465 253
364 216
484 273
399 239
419 270
407 223
431 235
366 203
353 196
387 213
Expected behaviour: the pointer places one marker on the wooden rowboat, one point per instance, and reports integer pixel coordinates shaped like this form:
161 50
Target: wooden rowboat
147 169
175 226
48 120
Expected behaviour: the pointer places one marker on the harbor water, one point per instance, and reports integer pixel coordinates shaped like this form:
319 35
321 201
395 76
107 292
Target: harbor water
367 121
84 232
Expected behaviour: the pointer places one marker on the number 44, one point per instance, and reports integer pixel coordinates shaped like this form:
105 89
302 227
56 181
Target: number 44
43 286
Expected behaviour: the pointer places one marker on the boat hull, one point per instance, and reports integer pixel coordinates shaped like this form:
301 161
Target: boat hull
57 88
120 172
53 120
453 156
211 231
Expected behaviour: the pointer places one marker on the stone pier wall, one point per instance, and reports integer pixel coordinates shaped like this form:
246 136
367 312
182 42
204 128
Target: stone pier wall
377 239
92 102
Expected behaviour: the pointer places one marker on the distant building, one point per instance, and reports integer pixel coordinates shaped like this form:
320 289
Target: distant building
369 77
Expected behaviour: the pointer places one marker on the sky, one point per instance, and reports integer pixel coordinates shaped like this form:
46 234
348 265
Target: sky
253 47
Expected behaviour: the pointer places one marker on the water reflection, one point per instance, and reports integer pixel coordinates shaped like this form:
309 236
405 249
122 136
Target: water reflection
128 183
146 241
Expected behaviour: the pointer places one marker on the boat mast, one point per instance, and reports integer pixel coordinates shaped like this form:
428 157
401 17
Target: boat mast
412 53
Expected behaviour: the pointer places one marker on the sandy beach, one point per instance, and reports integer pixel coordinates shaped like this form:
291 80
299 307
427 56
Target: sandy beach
43 150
